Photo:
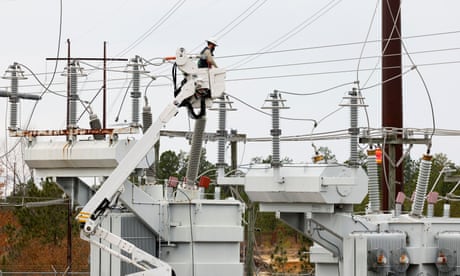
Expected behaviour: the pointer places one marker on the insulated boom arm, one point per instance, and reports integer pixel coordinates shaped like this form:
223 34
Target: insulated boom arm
200 85
197 80
97 204
152 266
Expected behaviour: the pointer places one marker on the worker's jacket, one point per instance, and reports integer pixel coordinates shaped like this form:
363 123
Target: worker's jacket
206 59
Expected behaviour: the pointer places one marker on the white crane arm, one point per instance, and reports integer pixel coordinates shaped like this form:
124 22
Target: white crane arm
101 199
199 87
150 265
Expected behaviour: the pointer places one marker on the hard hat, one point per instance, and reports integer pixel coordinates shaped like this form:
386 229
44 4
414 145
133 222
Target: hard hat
213 41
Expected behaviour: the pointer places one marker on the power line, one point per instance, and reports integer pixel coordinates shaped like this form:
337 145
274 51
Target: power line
310 20
115 68
316 92
218 33
153 28
332 45
367 37
268 114
334 72
359 62
286 76
336 60
344 134
433 120
220 36
46 87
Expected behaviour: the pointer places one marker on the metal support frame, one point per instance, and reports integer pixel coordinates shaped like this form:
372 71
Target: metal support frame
392 141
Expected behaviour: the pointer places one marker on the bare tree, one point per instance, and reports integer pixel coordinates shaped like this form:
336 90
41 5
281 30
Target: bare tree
15 170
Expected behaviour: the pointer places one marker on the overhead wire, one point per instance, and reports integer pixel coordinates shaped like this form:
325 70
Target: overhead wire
332 45
121 105
266 113
220 35
153 28
249 12
329 114
40 83
267 77
316 92
318 122
146 75
361 100
389 79
330 61
422 79
89 103
310 20
365 40
301 74
49 84
303 49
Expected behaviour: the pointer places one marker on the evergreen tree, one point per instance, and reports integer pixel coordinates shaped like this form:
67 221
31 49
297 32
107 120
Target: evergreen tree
47 223
168 165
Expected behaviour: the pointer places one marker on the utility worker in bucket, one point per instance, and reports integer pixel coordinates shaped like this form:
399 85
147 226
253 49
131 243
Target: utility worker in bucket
207 55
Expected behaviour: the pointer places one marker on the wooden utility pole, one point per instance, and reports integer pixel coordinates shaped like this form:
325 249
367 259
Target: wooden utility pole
69 234
104 85
14 178
250 239
104 59
392 103
68 82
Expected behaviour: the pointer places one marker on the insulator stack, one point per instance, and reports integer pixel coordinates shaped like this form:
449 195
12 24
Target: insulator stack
135 94
136 68
73 96
221 133
195 151
355 101
73 72
446 210
222 136
354 131
146 123
146 118
14 100
373 182
95 123
422 185
276 133
14 73
276 104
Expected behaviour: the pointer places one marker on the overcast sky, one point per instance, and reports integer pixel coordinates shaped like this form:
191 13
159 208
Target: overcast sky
317 44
